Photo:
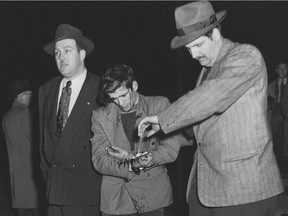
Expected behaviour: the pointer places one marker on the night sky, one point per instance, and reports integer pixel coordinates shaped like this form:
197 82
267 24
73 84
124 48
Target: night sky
135 33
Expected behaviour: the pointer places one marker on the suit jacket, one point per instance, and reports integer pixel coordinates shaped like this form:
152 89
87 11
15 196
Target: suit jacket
273 92
123 192
17 125
284 101
235 160
66 160
273 89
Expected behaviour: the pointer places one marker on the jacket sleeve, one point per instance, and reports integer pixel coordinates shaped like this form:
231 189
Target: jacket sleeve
168 145
102 161
241 69
43 163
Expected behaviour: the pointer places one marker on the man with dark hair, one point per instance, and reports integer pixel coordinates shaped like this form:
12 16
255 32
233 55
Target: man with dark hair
235 171
66 103
135 180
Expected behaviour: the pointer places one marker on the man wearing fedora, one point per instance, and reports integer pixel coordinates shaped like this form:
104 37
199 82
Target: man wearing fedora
235 170
66 103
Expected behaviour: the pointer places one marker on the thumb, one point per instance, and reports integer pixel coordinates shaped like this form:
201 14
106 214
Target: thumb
150 133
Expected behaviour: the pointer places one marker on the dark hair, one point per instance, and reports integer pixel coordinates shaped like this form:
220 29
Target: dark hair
114 77
79 45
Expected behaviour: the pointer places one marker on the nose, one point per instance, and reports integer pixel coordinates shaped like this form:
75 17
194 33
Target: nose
60 56
120 102
193 52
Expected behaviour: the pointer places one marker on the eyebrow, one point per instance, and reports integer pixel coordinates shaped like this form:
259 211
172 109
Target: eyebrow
124 94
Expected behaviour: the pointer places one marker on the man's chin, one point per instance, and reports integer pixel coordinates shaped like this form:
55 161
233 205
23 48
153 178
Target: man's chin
126 109
204 63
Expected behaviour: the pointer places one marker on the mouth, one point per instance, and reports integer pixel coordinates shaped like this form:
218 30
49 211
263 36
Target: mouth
63 65
201 59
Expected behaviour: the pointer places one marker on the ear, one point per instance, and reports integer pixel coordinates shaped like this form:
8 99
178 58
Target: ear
134 85
216 34
82 54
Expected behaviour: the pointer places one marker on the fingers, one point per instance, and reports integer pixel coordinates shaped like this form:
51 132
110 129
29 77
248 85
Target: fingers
142 127
145 161
111 149
117 148
150 133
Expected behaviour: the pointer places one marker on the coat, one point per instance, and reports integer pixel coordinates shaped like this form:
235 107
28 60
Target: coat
66 160
17 125
234 159
123 192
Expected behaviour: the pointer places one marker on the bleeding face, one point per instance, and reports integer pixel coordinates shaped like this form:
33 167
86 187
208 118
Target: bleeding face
204 49
125 97
68 59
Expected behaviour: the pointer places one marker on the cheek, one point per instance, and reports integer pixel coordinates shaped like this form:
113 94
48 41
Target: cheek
57 61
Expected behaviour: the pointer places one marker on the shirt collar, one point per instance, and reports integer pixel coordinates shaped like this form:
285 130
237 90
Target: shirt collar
76 82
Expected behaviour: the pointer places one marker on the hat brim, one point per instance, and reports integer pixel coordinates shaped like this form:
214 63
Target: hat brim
180 41
84 42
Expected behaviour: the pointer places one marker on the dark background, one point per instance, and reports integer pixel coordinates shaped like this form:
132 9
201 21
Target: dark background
138 34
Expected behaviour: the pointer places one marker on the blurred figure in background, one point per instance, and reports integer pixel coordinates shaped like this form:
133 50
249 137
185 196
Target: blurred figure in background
278 111
23 151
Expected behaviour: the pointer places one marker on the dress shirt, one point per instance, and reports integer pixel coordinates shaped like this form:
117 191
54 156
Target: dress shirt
76 86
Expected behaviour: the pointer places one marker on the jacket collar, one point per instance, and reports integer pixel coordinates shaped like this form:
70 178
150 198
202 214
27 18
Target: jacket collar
227 45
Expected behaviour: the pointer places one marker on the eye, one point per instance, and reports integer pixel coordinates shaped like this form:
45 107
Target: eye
67 51
56 53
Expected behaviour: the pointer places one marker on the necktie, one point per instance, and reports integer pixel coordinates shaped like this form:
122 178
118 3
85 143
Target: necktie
281 87
63 108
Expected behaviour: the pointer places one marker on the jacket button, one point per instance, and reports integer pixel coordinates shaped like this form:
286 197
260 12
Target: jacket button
147 174
73 165
54 165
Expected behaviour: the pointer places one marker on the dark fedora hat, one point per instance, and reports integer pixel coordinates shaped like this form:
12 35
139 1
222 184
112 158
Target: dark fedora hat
65 31
18 87
194 20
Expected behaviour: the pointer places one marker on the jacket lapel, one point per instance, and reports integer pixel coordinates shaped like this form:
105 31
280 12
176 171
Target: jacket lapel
82 107
50 107
114 129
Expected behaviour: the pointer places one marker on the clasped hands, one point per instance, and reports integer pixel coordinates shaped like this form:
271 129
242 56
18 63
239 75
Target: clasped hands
139 161
136 162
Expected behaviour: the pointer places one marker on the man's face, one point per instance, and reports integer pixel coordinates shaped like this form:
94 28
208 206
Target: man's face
124 98
68 58
26 97
282 70
203 50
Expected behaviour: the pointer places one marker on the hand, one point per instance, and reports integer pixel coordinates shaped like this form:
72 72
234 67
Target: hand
117 152
145 123
142 162
145 160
